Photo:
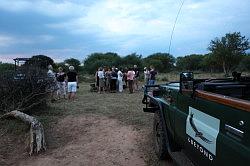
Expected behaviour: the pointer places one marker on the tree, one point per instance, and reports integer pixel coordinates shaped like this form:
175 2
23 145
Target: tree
209 64
96 60
6 67
40 61
131 60
73 62
163 62
228 50
181 63
190 62
244 64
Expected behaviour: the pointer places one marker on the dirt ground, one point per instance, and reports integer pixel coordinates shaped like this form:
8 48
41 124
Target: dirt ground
97 129
93 140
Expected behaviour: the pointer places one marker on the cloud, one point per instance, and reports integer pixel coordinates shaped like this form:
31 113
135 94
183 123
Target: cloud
140 26
45 7
8 40
15 6
46 38
193 6
120 18
129 25
123 24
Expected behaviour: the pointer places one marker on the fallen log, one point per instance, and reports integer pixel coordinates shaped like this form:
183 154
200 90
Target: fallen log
37 139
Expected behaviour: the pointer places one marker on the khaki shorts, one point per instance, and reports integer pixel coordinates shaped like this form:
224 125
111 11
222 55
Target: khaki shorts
101 82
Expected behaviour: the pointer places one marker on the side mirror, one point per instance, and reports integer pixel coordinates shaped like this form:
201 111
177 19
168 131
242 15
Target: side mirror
186 81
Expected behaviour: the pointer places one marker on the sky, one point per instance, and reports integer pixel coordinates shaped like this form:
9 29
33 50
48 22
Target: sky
64 29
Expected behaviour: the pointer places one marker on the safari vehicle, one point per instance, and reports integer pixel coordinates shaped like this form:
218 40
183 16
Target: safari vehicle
20 68
207 119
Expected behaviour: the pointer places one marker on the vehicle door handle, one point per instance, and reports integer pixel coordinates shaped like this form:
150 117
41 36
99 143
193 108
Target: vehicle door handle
234 131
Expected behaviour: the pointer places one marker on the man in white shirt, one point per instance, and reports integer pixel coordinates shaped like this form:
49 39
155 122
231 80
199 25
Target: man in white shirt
120 83
100 74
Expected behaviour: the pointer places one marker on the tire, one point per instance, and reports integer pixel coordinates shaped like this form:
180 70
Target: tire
160 138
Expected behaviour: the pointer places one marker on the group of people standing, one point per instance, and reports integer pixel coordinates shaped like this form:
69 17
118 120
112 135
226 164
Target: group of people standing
116 79
63 83
109 79
150 75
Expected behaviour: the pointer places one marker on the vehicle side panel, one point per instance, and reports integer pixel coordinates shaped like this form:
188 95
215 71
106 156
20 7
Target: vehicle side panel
231 149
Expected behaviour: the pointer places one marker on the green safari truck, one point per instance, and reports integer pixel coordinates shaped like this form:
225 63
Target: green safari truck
206 119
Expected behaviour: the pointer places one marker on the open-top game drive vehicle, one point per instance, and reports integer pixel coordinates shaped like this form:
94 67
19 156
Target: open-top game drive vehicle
208 119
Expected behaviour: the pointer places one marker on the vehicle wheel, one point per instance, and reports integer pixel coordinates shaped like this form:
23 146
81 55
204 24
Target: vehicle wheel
160 138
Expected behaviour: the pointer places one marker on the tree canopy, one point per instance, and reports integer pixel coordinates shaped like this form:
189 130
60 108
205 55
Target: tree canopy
130 60
6 67
190 62
40 61
96 60
73 62
245 63
229 50
162 61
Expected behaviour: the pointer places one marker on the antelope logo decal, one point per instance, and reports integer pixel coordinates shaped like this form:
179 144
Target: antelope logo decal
198 133
202 131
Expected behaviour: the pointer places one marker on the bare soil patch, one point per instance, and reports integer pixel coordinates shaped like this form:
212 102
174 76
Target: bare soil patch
92 140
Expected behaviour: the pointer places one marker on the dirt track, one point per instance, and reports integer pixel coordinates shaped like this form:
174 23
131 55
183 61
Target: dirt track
94 140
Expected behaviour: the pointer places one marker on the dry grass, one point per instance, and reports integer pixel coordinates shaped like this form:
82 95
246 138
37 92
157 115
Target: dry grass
175 76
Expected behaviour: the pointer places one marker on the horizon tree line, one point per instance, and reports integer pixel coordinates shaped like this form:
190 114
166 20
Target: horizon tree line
227 54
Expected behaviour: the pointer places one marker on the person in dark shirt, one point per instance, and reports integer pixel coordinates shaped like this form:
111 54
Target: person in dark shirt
152 76
72 82
60 77
113 81
136 79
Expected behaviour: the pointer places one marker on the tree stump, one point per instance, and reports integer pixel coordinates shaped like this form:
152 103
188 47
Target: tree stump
37 139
